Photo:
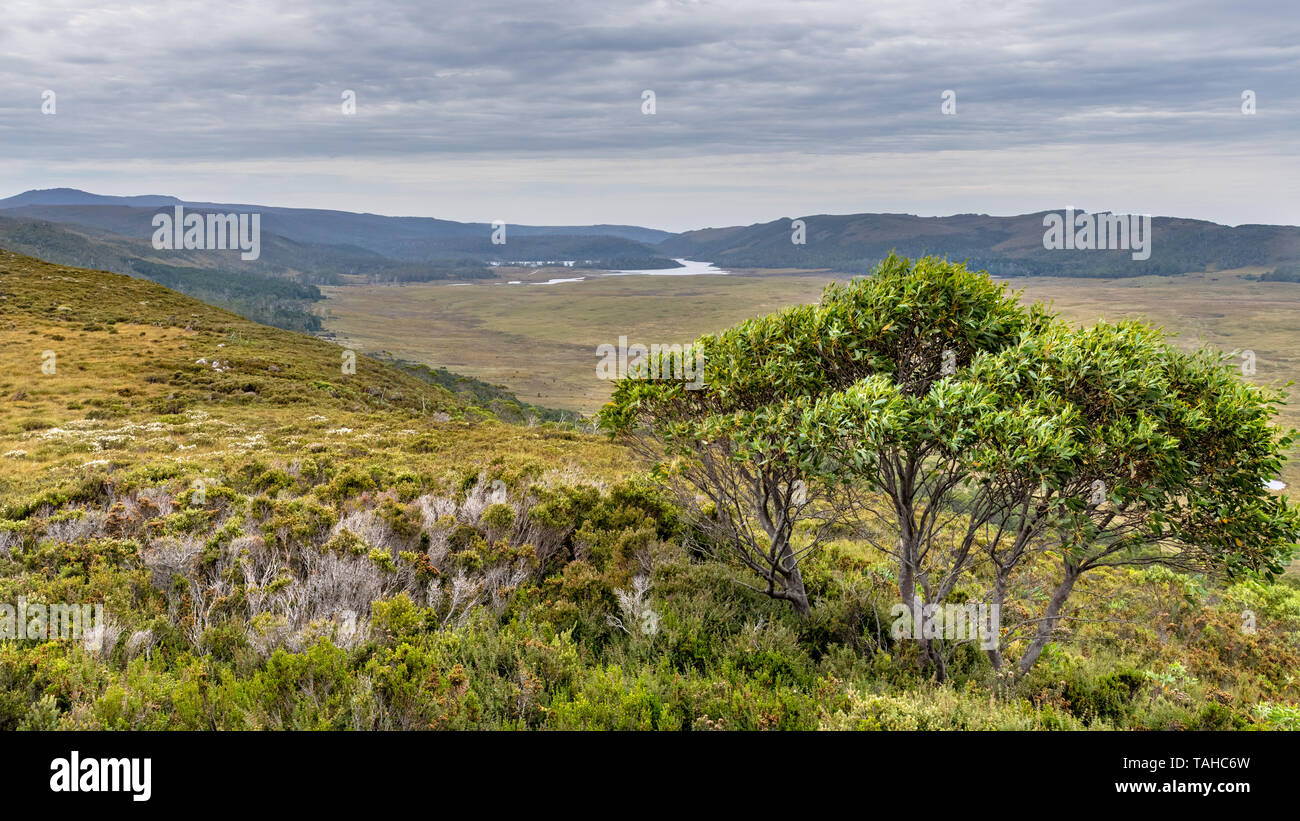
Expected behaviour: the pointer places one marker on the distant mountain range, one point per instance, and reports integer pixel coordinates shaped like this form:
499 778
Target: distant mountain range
73 196
346 242
1007 246
312 246
299 248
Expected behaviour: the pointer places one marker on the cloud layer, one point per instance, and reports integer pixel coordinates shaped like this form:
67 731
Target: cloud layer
532 112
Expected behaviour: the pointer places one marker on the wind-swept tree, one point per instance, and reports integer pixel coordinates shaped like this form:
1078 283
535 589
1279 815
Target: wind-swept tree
751 445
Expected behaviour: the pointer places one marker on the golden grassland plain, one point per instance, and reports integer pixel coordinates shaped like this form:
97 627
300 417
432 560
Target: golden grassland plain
540 340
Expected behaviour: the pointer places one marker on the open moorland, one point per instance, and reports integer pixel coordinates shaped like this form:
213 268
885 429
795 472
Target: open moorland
540 340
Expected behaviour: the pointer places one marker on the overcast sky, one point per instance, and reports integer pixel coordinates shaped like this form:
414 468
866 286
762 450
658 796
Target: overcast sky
531 112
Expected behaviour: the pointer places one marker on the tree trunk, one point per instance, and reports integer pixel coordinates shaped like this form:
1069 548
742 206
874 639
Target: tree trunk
934 652
998 596
796 594
800 602
1048 624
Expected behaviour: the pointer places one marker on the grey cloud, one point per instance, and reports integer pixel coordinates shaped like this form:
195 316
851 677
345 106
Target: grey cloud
194 82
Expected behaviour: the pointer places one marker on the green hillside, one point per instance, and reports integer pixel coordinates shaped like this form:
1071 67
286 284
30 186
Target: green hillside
209 384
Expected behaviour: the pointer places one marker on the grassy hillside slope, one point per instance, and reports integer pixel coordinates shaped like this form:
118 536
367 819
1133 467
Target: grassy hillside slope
147 379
